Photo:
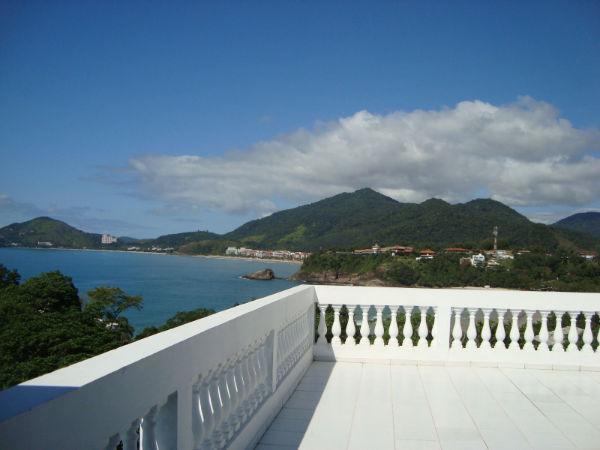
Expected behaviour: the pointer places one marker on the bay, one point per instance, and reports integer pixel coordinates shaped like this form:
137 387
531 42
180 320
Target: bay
168 283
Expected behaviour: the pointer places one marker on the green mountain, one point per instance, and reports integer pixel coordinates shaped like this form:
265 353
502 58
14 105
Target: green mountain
344 221
179 239
46 229
361 218
588 222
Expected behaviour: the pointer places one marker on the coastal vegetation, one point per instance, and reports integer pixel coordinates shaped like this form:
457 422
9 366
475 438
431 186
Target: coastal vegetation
561 271
46 325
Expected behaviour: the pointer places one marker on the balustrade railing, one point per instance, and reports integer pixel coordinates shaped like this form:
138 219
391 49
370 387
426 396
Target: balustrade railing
218 382
214 383
487 327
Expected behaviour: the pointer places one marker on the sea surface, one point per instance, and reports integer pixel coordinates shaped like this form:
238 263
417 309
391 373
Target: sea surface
168 283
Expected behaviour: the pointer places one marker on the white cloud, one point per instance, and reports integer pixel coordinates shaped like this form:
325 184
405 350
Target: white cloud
523 154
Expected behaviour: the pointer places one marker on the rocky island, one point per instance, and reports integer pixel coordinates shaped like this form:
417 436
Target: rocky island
265 274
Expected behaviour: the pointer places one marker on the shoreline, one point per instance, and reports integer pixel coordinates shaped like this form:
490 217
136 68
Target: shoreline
245 258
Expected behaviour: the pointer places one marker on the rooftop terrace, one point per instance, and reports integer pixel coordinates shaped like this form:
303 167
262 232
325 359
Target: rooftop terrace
470 369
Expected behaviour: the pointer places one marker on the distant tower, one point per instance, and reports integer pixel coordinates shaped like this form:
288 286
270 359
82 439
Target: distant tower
495 233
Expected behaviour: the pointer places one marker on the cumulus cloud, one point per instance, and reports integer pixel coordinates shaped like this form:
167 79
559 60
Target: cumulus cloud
522 153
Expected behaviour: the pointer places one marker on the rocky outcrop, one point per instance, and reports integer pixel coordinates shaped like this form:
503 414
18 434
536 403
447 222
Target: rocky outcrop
333 277
265 274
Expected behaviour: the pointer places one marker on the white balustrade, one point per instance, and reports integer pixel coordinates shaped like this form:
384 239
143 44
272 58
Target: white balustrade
544 335
471 330
500 333
466 319
515 333
573 335
558 334
336 328
218 382
588 337
457 331
528 335
379 326
350 327
486 331
423 330
407 330
365 330
393 330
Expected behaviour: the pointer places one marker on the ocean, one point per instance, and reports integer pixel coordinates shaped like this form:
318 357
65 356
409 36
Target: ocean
168 283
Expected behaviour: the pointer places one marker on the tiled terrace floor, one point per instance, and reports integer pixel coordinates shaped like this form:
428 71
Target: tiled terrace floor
371 406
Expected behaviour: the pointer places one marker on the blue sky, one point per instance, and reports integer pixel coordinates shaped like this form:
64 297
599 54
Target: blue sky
142 118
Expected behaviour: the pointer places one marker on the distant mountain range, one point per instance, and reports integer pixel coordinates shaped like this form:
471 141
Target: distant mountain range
587 222
40 230
345 221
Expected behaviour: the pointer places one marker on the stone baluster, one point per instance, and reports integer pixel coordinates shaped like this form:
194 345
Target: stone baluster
407 330
457 330
148 430
423 330
248 404
322 329
130 436
241 383
264 367
379 326
336 328
217 413
588 337
224 428
528 335
434 327
486 331
558 334
252 381
471 330
544 335
573 334
364 326
500 331
350 327
393 330
514 331
232 422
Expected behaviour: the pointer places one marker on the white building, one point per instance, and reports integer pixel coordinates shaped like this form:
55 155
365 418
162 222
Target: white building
108 239
232 251
477 260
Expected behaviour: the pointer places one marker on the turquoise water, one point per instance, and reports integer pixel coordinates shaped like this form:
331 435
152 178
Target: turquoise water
168 283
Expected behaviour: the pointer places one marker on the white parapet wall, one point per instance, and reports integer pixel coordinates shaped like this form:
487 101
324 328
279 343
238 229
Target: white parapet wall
213 383
218 382
460 326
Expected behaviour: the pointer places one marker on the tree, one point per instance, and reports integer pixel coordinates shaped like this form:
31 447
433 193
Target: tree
8 277
109 303
51 291
43 326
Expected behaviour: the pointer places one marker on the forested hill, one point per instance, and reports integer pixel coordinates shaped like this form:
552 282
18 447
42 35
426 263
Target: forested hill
344 221
46 229
588 222
361 218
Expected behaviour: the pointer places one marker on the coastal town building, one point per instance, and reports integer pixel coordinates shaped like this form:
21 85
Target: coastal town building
231 251
478 260
108 239
393 250
266 254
